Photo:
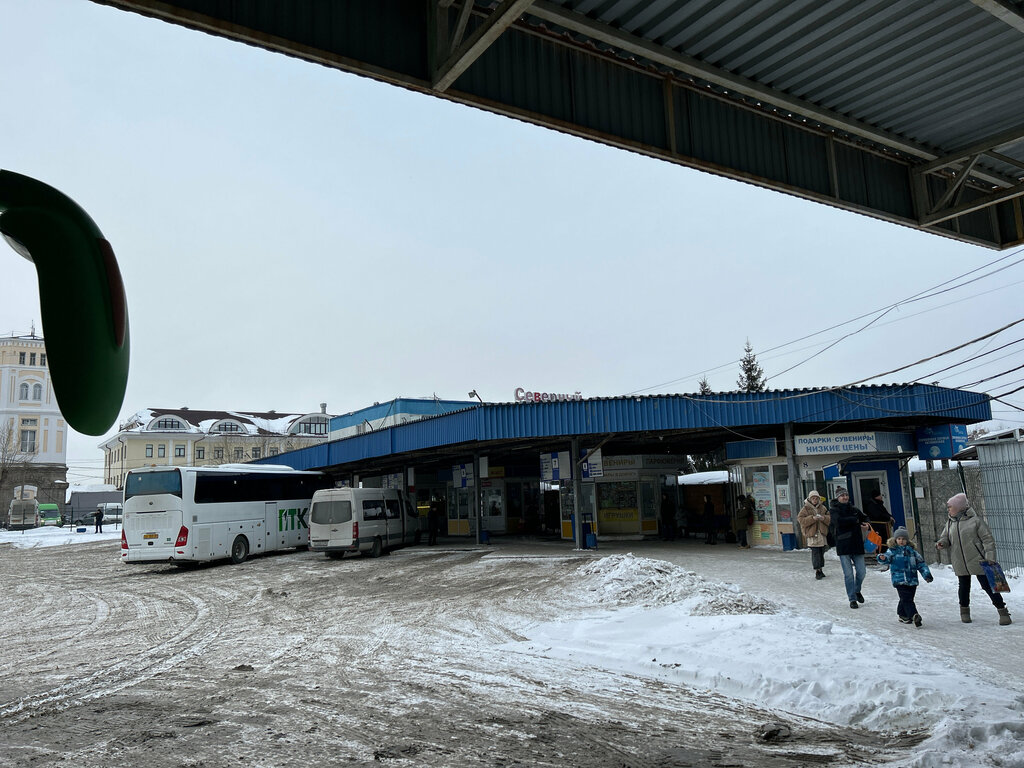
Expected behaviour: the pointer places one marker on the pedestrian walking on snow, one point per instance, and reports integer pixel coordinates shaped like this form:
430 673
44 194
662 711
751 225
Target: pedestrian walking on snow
969 541
905 563
814 520
850 525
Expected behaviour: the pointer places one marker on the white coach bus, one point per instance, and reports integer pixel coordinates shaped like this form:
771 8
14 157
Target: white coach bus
193 514
370 521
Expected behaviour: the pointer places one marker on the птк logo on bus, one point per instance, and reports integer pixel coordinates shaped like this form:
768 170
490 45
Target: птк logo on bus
292 519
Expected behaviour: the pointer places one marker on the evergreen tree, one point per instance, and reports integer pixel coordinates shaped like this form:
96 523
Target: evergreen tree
751 377
705 387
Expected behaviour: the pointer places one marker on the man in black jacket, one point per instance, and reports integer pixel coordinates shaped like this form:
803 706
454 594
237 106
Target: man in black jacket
850 525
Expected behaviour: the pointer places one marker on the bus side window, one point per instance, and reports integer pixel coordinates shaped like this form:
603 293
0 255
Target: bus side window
394 511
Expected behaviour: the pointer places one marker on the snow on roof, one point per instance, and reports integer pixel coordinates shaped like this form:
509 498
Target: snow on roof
718 477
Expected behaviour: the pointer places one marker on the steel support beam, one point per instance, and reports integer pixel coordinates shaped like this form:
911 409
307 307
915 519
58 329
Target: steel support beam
500 19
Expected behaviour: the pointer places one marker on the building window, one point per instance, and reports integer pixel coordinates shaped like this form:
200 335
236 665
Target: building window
161 451
179 451
37 391
42 359
28 441
218 454
255 453
21 358
23 392
273 451
227 426
169 424
149 450
32 358
315 426
239 454
200 453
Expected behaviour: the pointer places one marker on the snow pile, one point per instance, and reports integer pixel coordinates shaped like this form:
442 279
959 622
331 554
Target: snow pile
629 580
663 621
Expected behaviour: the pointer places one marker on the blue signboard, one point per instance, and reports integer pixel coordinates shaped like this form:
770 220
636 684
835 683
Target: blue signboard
941 442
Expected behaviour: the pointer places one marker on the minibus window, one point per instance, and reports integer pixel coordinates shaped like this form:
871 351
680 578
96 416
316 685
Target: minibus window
373 509
331 512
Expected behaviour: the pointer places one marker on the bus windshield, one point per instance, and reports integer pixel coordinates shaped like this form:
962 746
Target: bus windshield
149 483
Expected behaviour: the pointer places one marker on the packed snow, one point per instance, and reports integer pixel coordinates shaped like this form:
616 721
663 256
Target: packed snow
653 618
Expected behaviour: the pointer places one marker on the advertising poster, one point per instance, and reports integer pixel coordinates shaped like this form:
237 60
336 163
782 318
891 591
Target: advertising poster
763 508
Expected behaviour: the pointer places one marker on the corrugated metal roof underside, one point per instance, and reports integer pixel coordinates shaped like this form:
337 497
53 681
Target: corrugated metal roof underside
516 421
944 73
901 82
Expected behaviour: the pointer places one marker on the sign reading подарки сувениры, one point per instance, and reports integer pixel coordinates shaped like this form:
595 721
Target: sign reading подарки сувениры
850 442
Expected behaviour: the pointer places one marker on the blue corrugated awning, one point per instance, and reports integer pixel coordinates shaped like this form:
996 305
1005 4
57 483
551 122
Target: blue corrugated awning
510 422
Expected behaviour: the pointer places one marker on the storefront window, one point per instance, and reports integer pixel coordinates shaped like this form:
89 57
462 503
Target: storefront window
782 502
617 507
758 483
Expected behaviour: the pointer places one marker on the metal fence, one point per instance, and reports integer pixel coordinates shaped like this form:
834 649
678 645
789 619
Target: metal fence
1002 481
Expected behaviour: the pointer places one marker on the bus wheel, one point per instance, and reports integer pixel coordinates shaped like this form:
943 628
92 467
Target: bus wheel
239 550
377 548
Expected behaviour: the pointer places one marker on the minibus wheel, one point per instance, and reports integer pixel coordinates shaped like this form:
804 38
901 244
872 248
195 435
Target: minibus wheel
239 550
377 549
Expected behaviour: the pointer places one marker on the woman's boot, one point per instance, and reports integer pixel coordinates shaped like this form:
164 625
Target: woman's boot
1004 616
965 614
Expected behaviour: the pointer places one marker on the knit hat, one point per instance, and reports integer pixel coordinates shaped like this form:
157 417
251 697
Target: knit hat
813 495
901 531
958 503
842 492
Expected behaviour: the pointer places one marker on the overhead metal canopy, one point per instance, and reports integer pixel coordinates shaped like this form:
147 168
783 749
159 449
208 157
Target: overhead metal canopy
911 111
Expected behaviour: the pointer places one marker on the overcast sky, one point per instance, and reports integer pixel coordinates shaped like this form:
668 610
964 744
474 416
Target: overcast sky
290 235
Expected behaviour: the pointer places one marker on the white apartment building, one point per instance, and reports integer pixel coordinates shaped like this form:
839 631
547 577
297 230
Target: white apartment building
33 433
187 437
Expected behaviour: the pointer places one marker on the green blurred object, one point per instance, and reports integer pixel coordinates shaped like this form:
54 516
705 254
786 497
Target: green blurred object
85 314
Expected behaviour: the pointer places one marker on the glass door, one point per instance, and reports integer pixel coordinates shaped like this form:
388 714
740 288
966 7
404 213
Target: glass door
493 517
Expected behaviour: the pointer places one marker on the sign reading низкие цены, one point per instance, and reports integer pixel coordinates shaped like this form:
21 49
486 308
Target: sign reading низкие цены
849 442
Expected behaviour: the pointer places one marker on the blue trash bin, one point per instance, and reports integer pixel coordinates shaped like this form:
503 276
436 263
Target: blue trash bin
788 542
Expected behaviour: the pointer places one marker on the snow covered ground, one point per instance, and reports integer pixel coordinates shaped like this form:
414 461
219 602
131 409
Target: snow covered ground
752 626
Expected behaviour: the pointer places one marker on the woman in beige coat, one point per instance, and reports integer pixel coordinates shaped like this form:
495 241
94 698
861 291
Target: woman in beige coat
814 519
969 541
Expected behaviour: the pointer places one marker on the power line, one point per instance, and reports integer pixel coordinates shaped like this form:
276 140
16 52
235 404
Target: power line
920 296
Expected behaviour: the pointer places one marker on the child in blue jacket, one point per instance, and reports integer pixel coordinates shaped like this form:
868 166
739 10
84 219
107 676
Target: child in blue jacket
905 562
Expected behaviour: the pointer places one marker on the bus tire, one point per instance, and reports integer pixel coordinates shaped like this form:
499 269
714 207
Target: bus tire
239 550
377 549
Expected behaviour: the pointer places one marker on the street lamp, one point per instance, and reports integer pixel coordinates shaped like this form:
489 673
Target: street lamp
473 393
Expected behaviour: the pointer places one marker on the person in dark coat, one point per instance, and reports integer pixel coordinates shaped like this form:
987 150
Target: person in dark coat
98 517
880 518
710 522
433 521
744 518
668 518
850 526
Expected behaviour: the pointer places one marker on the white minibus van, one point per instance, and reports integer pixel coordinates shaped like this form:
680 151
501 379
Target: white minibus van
366 520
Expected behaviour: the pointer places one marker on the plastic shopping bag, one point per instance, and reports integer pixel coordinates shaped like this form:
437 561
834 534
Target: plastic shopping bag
872 542
994 574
